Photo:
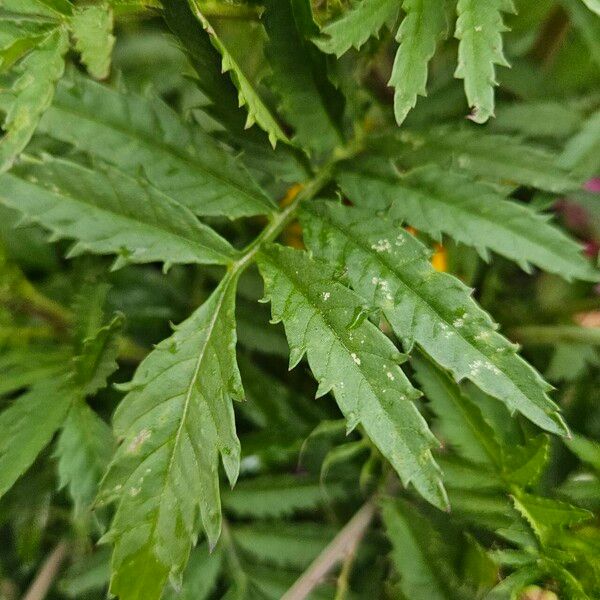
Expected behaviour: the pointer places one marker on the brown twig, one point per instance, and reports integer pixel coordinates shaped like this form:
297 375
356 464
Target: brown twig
47 573
342 545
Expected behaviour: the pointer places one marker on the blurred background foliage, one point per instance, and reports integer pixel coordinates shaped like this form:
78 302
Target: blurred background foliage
302 478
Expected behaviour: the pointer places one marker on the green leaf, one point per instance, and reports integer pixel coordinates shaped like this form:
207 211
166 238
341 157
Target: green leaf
538 119
419 555
524 465
439 201
92 26
283 544
460 420
309 101
97 360
510 587
547 515
497 158
278 496
363 20
258 111
587 25
108 212
28 425
201 575
423 25
84 449
22 368
390 269
32 93
587 450
593 5
353 359
175 422
582 152
479 28
177 158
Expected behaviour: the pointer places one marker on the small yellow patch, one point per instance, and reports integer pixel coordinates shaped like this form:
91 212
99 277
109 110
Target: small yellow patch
439 260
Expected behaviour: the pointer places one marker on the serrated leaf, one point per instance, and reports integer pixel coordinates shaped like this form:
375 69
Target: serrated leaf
84 449
361 21
510 587
92 26
423 25
538 119
201 575
22 368
175 422
309 101
28 425
97 359
439 201
582 151
283 544
354 361
479 28
390 269
177 158
419 555
546 515
108 212
524 465
278 496
32 93
502 158
459 419
258 111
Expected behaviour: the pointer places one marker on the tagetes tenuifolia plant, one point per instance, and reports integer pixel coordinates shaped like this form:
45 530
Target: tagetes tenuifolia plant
299 299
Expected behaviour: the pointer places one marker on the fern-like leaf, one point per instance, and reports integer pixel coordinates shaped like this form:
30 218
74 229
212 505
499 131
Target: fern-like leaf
92 29
437 201
108 212
423 25
32 93
175 422
258 111
459 419
390 269
84 449
420 555
142 133
500 158
353 359
479 28
309 101
28 425
362 21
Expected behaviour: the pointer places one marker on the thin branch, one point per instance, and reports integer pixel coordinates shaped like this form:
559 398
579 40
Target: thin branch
342 545
47 573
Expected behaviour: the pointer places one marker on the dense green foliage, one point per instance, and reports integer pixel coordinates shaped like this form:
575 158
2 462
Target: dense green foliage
264 270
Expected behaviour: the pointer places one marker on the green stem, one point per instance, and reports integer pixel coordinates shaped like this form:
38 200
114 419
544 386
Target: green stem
280 221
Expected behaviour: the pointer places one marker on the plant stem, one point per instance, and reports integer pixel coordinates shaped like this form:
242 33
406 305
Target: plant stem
47 573
280 220
342 545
